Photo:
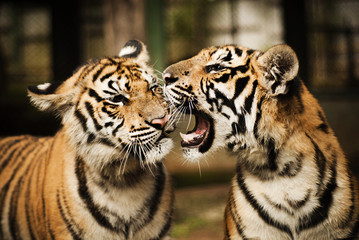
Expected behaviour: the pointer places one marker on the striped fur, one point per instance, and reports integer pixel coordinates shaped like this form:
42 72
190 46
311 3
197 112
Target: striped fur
101 176
292 179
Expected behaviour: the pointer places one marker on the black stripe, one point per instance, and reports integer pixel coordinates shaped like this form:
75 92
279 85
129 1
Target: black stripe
241 83
223 79
98 72
87 198
323 126
166 227
82 119
241 125
90 110
210 54
140 129
110 92
106 142
249 100
159 187
355 231
226 230
155 200
112 61
12 218
258 117
320 161
188 89
110 85
243 68
236 219
12 214
272 155
228 57
238 51
278 206
88 68
257 207
142 134
202 86
299 203
67 222
6 145
92 93
118 127
3 193
108 124
174 90
90 138
5 188
320 213
45 164
104 77
293 96
29 207
352 205
104 109
250 51
11 157
291 169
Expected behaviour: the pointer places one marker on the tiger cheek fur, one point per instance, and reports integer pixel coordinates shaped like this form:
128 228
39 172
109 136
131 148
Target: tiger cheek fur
101 176
292 179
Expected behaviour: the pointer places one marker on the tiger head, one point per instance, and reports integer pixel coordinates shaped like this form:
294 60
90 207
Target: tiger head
112 109
224 87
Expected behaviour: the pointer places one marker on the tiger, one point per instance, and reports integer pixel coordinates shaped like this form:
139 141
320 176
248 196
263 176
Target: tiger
292 180
101 176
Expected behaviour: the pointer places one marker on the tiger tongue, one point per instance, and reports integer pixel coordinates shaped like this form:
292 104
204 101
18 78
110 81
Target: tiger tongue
196 137
192 137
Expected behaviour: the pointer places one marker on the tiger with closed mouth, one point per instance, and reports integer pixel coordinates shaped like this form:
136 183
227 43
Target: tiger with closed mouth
101 176
292 179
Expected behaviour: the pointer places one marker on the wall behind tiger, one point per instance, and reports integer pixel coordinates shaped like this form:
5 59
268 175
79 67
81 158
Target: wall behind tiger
41 42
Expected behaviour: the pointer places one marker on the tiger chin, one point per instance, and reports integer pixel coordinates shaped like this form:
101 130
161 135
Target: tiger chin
101 176
292 179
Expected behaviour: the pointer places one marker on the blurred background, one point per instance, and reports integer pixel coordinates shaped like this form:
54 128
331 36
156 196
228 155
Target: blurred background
43 41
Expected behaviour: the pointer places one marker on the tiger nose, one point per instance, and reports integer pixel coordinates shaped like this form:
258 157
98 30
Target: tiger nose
159 123
169 78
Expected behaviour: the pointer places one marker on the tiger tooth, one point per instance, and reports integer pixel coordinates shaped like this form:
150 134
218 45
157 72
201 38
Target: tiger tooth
184 137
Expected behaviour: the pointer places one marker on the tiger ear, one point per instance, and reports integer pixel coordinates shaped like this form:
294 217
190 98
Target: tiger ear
135 49
56 96
279 65
45 97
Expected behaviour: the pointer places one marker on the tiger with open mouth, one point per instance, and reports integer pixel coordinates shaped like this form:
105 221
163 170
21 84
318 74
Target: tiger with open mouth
292 179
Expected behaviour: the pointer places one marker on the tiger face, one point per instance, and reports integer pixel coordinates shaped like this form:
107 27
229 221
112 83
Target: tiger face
112 109
222 87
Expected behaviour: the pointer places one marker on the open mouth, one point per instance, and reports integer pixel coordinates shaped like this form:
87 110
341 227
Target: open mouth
201 136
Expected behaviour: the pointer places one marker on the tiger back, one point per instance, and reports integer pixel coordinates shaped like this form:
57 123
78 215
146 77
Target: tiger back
101 176
292 179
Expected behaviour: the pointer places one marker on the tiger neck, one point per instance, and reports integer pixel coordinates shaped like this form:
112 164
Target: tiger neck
270 159
118 176
119 172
